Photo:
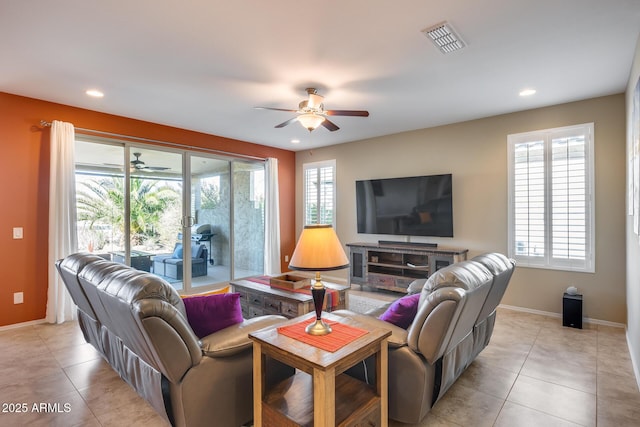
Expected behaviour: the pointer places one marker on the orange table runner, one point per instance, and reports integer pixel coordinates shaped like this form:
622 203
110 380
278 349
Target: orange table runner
340 336
331 296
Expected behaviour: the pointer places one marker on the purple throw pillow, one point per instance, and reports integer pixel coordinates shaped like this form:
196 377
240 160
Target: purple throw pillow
210 313
402 311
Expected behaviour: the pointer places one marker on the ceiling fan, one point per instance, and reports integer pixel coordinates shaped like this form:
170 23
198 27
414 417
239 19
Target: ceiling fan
140 165
311 113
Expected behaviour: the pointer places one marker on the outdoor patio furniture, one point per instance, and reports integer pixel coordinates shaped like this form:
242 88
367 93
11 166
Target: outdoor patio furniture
171 265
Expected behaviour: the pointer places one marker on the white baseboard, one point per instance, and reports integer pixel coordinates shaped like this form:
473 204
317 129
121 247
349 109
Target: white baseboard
23 324
634 362
559 316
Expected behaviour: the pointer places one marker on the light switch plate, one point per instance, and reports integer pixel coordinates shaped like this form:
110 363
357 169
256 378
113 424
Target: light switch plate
17 232
18 297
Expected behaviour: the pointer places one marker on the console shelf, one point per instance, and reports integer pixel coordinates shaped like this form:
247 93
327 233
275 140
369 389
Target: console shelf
394 266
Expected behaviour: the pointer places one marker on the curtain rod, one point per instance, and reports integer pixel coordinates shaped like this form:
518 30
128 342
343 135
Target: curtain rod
45 124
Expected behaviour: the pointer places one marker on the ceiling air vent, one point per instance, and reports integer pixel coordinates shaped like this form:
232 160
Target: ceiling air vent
444 37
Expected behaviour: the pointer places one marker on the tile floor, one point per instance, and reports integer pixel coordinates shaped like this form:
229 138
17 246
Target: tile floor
533 373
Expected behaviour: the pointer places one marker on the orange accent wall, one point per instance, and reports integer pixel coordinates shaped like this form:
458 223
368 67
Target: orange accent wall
24 189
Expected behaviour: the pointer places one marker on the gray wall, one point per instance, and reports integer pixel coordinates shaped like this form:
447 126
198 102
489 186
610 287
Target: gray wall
633 246
475 152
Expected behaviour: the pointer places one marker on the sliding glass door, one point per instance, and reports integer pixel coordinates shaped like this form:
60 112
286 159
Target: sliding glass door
210 211
155 213
100 202
248 218
227 207
134 207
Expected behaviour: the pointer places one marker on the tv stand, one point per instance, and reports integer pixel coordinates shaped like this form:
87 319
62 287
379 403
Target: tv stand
394 265
417 244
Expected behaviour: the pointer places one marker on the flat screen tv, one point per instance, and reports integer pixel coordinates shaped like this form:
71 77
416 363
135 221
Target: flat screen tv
409 206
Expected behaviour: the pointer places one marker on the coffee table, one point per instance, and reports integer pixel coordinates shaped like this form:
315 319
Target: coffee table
139 260
258 299
320 393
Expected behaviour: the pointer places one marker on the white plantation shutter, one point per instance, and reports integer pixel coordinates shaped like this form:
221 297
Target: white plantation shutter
529 199
550 198
319 192
569 198
310 196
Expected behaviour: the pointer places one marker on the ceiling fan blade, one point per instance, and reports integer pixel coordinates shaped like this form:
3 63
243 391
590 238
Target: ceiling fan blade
156 168
356 113
275 109
288 122
330 125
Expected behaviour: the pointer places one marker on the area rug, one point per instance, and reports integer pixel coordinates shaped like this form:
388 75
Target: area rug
362 304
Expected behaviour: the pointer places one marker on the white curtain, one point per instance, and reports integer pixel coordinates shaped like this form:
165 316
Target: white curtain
272 220
62 218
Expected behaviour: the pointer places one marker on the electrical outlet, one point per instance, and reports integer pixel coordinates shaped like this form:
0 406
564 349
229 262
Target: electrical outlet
286 258
17 232
18 297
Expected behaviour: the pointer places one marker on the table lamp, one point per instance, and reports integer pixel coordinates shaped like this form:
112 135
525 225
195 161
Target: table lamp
318 249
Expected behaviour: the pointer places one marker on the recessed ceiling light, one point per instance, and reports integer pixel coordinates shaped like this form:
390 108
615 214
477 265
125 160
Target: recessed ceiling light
295 141
94 93
527 92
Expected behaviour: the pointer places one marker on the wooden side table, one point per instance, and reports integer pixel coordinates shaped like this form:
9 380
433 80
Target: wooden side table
319 394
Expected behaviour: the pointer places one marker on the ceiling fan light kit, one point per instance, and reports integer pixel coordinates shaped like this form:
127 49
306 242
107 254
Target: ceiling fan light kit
311 113
315 100
310 120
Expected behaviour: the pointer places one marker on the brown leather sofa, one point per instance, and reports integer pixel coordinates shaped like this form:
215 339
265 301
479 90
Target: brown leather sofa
454 322
138 323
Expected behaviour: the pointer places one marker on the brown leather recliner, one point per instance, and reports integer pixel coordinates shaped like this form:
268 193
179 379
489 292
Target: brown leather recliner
454 322
137 321
502 269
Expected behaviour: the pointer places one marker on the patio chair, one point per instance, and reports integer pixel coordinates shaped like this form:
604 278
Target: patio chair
171 265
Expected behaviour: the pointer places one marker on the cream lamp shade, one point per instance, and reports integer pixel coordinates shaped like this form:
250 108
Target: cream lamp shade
318 249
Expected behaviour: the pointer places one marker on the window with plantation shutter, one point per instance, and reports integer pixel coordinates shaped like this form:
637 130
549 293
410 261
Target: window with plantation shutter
551 221
319 192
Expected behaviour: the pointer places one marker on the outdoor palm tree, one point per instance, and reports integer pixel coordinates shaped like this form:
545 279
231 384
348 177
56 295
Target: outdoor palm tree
101 201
